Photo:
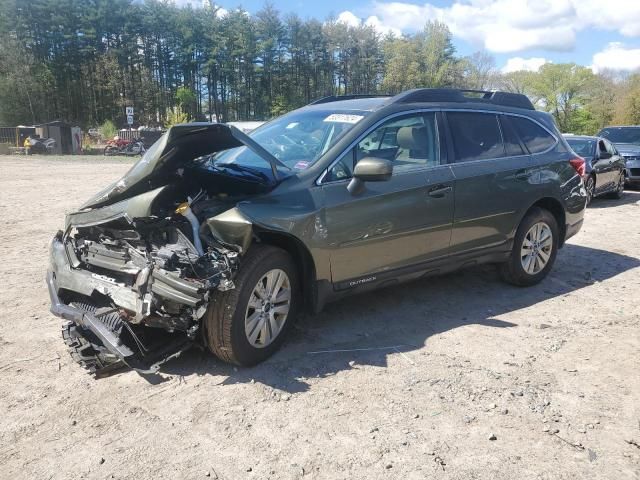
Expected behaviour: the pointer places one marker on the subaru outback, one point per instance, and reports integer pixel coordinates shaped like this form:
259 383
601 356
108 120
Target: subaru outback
221 238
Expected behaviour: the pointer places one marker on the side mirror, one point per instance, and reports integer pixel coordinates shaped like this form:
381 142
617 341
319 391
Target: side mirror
369 169
604 156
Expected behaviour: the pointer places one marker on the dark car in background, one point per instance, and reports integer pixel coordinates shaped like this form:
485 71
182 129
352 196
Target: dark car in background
604 167
221 238
627 142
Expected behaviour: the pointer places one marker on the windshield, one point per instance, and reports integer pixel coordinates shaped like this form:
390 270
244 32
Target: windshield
622 134
582 147
297 139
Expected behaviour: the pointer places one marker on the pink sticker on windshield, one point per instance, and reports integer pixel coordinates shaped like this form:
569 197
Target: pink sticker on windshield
301 165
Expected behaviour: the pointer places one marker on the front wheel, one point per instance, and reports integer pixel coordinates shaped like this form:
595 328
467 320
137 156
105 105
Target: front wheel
110 150
248 324
534 249
590 187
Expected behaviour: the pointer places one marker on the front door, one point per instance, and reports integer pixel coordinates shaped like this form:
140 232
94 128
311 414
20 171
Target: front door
395 224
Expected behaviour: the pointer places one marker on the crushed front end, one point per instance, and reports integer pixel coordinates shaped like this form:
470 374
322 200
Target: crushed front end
133 272
135 290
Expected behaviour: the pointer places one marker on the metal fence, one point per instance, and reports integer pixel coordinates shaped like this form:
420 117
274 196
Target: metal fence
148 137
8 135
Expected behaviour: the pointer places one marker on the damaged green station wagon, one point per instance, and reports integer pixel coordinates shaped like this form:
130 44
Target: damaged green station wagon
221 238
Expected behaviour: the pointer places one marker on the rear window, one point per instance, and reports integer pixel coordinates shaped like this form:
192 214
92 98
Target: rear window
536 138
476 136
582 146
621 134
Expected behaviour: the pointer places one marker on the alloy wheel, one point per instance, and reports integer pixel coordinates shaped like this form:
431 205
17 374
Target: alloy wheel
536 248
268 308
590 187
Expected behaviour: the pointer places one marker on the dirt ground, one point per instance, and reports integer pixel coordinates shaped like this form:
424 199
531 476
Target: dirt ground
457 377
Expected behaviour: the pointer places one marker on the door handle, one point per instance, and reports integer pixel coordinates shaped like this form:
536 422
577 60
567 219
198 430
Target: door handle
439 191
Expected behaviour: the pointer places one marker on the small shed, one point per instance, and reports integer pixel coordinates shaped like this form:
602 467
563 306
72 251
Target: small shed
21 133
60 132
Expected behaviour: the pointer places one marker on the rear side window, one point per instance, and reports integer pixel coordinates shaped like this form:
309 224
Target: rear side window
536 138
511 141
476 136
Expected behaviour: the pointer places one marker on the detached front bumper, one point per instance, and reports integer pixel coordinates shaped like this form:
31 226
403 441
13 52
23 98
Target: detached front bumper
61 275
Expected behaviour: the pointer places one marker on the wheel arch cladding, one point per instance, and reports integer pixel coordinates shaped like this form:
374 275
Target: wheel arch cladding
301 257
553 206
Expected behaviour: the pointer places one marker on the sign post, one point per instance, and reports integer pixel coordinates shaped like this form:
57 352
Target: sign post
129 111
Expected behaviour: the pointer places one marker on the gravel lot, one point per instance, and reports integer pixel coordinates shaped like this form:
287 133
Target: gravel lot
457 377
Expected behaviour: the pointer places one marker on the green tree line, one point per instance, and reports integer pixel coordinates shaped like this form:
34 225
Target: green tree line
83 61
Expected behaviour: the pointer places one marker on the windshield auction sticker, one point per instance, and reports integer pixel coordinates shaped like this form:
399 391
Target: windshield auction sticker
343 118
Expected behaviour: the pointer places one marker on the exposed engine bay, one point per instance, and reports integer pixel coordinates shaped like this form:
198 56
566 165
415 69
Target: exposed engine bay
136 269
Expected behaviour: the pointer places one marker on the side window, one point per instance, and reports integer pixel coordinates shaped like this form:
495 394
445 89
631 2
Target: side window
601 147
610 148
536 138
341 170
410 142
511 141
475 136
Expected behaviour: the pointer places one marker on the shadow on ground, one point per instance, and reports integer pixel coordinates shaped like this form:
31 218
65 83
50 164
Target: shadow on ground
365 329
630 196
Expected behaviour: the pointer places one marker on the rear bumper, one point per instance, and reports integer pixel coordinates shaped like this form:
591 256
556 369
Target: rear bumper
573 229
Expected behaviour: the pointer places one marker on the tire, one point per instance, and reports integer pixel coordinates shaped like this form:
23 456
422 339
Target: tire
590 187
109 150
85 348
513 270
619 191
224 327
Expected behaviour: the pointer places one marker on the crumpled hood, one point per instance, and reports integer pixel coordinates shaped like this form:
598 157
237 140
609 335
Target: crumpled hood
180 145
628 149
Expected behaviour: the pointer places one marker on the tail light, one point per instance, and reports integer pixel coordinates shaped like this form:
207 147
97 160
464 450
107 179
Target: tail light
578 165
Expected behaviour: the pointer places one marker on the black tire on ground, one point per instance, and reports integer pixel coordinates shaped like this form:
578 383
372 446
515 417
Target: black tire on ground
109 150
619 191
512 271
85 348
85 353
224 324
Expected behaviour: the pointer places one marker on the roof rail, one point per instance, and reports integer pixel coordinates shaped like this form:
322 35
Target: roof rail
337 98
420 95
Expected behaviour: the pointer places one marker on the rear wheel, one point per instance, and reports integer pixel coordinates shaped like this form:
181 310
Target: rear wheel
248 324
534 249
619 191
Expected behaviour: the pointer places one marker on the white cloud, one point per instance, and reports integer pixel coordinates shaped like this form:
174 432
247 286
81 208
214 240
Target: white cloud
616 57
622 16
532 64
349 18
352 20
505 26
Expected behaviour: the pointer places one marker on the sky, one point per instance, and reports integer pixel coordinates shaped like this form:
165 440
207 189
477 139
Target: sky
520 34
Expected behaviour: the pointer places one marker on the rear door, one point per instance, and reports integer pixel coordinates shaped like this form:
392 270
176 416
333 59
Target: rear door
496 177
393 225
617 163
